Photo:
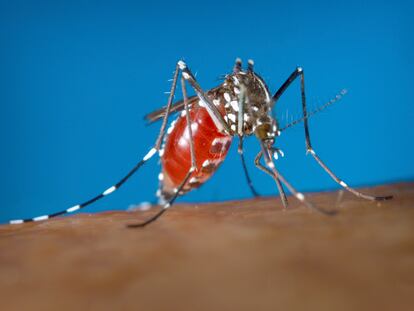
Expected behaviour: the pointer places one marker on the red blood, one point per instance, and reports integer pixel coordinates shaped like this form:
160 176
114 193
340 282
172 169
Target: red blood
209 144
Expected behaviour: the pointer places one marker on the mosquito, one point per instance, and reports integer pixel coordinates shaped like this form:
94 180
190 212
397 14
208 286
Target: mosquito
197 142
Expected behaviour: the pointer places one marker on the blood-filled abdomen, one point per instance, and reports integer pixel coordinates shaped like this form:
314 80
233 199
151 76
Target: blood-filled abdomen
210 145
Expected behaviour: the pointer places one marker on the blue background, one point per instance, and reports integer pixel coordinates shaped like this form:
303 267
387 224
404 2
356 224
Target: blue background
76 79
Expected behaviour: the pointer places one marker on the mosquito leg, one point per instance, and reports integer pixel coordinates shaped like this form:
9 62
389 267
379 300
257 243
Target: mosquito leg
166 205
299 73
193 167
343 184
282 193
213 111
190 131
167 110
276 175
116 186
246 173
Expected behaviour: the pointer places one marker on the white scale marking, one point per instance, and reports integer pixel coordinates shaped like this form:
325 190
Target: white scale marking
227 97
343 184
73 208
150 154
193 180
232 117
17 221
171 128
39 218
300 196
194 127
109 190
206 163
160 176
182 65
201 103
236 90
235 105
186 76
216 102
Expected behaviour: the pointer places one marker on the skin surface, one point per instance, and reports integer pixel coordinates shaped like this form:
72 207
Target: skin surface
239 255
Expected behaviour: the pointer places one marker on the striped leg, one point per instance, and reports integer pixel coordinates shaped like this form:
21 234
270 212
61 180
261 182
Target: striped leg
299 73
193 167
115 187
276 175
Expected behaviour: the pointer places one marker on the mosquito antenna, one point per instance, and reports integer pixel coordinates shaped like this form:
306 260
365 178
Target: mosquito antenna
337 98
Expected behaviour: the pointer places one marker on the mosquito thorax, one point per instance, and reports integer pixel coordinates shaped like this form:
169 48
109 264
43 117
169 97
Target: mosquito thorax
248 87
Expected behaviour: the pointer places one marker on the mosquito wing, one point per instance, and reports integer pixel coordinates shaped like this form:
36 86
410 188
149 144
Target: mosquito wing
176 107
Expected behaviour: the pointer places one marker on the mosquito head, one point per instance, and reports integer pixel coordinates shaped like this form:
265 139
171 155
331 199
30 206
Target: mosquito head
266 129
